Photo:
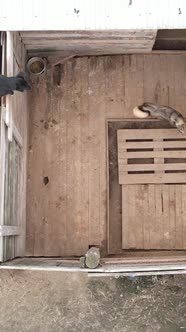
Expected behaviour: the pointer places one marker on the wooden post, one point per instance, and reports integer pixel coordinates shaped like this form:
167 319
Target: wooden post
9 73
2 175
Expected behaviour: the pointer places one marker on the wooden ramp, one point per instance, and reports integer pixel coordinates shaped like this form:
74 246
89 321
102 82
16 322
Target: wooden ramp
152 166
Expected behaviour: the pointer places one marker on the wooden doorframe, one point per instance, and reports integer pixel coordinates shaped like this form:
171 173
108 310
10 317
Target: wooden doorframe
6 230
108 268
7 124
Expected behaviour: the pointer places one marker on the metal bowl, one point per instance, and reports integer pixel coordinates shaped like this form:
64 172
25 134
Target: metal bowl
36 66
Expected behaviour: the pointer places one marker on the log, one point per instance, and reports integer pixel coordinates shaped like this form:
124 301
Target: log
92 258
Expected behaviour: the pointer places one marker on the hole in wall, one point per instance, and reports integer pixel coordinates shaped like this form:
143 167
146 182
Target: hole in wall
45 180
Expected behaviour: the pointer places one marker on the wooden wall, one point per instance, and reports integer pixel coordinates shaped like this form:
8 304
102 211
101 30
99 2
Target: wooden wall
17 112
67 142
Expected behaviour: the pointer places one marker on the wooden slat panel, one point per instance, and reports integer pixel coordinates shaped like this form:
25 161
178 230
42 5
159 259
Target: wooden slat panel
172 216
158 222
148 145
125 217
9 242
102 83
153 154
135 43
83 225
184 215
37 222
139 198
70 167
152 216
80 159
157 156
149 134
152 178
94 153
166 228
150 167
3 169
179 222
147 216
12 196
77 160
118 106
133 241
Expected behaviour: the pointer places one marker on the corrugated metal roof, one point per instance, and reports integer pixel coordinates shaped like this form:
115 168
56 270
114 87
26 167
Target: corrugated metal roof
91 14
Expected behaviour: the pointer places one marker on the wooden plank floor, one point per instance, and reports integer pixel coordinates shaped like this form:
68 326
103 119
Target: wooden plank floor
153 217
67 144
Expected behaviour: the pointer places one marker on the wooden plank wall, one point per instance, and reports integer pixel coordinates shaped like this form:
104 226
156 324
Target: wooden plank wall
67 142
18 111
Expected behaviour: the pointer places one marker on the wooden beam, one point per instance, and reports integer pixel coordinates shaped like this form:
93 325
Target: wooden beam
91 34
151 167
9 59
108 270
149 133
2 176
64 53
151 145
151 178
9 230
88 52
153 154
169 52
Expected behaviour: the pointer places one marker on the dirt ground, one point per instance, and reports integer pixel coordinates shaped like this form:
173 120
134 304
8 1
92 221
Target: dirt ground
52 302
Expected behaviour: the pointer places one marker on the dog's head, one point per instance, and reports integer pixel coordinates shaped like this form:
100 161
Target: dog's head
180 125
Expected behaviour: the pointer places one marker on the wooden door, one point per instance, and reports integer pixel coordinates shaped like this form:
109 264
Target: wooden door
152 172
12 155
10 191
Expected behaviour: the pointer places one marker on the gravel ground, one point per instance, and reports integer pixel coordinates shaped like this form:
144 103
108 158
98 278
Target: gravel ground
57 301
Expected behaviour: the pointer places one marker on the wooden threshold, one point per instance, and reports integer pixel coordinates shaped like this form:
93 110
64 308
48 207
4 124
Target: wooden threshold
111 270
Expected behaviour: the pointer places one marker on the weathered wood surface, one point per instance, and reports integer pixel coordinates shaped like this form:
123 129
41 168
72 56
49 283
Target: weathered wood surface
13 198
156 212
152 214
154 217
20 115
89 42
68 144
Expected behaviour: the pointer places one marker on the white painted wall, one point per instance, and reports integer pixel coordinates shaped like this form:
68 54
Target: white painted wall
91 14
